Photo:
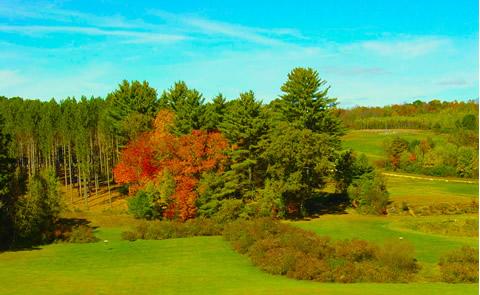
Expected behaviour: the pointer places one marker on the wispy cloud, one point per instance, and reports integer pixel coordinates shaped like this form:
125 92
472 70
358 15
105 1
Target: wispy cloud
357 71
48 11
231 30
404 47
133 36
453 82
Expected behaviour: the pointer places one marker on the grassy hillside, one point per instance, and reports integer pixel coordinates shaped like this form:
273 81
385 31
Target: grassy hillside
203 265
426 191
370 142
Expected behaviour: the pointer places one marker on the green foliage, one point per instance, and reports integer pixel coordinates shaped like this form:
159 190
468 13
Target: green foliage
470 122
244 125
369 194
131 108
285 250
230 210
188 105
151 201
460 266
299 161
215 112
38 210
395 149
305 102
141 205
7 195
434 115
348 168
426 157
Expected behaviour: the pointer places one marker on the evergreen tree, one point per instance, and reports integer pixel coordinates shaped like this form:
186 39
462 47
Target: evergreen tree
305 102
188 105
301 150
244 125
299 163
132 108
214 113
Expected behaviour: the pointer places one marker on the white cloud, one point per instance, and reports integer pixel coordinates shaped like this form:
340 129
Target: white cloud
211 27
404 47
134 36
9 78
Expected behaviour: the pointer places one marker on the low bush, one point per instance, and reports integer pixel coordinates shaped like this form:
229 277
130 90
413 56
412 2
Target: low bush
282 249
161 230
81 234
445 225
460 266
434 209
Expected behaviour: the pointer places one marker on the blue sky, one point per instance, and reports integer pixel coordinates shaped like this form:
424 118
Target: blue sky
370 52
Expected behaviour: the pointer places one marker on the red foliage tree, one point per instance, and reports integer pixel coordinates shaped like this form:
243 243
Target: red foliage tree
185 157
137 165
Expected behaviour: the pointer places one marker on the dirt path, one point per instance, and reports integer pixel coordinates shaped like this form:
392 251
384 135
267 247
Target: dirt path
429 178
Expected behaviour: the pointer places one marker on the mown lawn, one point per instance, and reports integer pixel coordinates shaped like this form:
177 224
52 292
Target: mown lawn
426 192
202 265
370 142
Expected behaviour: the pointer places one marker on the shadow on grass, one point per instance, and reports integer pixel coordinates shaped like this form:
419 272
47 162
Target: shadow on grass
327 203
323 203
60 232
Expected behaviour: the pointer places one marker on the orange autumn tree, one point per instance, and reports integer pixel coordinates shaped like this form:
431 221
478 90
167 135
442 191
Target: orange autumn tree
185 157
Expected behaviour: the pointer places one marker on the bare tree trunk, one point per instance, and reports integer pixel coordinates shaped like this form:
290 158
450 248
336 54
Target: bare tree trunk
65 166
85 189
79 179
108 184
70 166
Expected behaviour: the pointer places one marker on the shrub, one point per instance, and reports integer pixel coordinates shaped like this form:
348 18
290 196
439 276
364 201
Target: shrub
161 230
141 205
460 266
397 256
355 250
282 249
81 234
129 236
230 210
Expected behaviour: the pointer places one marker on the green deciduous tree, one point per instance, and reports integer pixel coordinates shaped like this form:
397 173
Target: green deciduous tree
300 160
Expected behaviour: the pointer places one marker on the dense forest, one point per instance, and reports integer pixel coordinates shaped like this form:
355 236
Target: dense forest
181 157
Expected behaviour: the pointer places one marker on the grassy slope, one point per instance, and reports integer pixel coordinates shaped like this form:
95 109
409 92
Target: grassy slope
370 142
203 265
413 191
424 192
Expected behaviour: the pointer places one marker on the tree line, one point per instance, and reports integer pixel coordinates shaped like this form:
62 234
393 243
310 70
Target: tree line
182 157
435 115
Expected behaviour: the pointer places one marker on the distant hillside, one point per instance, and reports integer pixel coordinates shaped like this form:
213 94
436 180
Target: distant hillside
435 115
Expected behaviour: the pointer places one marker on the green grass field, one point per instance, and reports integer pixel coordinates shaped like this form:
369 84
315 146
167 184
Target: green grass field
202 265
370 141
425 192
